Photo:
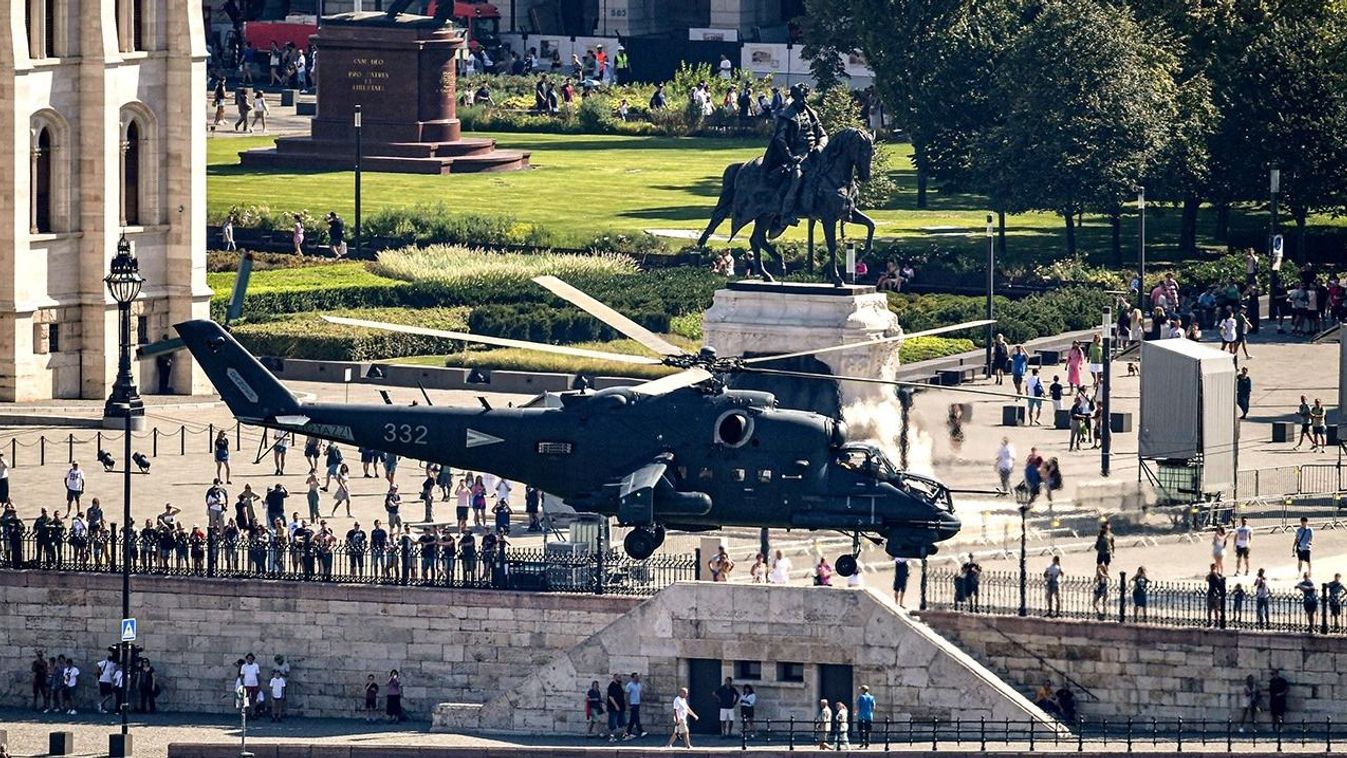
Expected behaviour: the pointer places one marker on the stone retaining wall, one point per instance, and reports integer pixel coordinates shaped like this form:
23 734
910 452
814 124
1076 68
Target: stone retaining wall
1145 671
447 644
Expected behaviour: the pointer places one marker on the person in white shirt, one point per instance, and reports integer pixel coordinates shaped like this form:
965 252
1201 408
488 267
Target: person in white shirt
503 491
250 677
1243 542
70 679
780 570
681 712
1053 575
107 669
277 685
260 110
74 487
1229 337
4 479
726 68
1005 463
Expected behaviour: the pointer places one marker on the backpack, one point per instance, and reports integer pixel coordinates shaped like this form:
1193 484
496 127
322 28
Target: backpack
1038 388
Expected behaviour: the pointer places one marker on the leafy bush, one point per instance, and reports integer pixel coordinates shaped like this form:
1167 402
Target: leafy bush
554 325
687 325
638 244
929 348
219 261
435 222
309 337
1066 309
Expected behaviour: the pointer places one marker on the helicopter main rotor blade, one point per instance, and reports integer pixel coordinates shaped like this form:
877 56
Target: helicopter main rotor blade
870 343
667 384
499 341
653 342
868 380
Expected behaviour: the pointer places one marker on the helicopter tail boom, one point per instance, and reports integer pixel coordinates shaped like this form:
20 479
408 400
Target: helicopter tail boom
252 393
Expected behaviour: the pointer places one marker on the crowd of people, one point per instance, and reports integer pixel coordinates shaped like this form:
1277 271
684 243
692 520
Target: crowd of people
56 684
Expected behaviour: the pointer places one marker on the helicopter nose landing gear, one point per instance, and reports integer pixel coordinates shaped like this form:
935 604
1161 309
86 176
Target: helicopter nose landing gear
641 542
847 565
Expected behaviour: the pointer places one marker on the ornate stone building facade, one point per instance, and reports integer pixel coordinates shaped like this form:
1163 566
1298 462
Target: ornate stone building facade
102 132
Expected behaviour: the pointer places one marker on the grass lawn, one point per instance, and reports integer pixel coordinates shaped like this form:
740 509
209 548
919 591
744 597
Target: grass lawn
585 185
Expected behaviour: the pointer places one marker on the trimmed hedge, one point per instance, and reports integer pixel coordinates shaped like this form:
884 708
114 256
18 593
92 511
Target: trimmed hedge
309 337
555 325
1036 316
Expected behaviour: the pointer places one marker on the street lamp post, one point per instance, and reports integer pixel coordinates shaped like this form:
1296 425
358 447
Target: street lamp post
1141 248
991 265
124 283
1024 559
358 150
1105 388
1274 188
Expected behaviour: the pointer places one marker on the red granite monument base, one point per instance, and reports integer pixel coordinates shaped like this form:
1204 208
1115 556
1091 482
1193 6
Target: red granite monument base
401 72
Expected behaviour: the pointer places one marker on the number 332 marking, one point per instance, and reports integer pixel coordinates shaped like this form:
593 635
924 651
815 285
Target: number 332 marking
405 433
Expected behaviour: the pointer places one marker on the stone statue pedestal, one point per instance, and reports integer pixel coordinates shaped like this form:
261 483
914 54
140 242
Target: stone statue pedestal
752 318
402 73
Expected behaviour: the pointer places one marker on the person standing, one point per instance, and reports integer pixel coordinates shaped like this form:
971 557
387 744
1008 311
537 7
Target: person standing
1052 578
336 233
616 705
1318 432
841 726
216 501
1140 594
634 726
280 446
1311 593
748 710
1304 543
1262 598
74 487
865 716
221 450
1215 594
1253 703
720 566
1104 545
1335 591
681 712
1219 540
250 676
1303 412
277 685
1278 692
1005 463
1243 390
900 576
727 697
1243 543
244 103
312 497
1035 391
780 573
393 697
371 699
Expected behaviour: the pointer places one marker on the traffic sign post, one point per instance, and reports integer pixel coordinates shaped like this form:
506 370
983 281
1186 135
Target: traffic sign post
128 630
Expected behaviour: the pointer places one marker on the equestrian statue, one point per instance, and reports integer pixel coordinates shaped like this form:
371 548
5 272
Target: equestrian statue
803 175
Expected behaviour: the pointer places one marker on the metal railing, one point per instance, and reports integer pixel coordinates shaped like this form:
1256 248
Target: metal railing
1123 735
42 449
1283 481
1231 604
392 563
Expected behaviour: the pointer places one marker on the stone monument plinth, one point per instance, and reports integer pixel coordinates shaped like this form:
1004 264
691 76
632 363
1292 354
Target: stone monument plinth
401 71
752 318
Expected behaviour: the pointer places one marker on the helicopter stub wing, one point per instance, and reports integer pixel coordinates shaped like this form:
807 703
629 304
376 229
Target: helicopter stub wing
871 343
617 321
498 341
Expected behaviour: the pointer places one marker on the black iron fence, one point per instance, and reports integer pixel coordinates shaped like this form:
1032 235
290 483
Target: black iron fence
1028 735
393 563
181 439
1231 603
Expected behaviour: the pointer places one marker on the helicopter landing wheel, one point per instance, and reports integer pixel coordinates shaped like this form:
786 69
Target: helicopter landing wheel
641 542
846 565
659 535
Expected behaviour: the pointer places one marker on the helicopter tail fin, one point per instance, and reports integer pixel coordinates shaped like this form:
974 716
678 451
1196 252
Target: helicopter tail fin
252 393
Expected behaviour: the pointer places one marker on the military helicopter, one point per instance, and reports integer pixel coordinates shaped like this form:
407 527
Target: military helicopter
680 452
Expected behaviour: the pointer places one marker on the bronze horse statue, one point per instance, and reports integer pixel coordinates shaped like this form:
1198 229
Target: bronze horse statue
751 194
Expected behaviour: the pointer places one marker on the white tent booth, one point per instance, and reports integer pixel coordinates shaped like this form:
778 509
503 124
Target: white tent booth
1189 440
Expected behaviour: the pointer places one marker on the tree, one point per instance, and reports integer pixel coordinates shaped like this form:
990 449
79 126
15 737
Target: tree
1086 102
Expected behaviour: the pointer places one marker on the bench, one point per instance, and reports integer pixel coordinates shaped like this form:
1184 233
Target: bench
955 376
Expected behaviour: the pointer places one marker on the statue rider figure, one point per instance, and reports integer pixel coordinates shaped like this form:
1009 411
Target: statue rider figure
797 137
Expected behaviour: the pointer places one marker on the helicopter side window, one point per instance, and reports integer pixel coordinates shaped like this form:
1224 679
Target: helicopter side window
765 476
738 475
704 474
852 460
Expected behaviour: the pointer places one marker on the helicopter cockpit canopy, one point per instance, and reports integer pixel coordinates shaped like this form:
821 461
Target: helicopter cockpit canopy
870 461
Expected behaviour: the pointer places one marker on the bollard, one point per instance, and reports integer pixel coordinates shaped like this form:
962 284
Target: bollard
1122 597
154 443
210 438
61 743
238 437
98 440
70 448
182 439
42 450
13 451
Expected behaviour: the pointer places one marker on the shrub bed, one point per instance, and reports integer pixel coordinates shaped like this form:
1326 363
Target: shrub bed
309 337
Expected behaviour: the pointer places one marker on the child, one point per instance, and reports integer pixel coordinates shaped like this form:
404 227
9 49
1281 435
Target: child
371 699
1238 601
1055 392
277 696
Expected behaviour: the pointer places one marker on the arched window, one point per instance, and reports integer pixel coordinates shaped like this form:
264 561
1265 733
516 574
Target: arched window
131 175
41 182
